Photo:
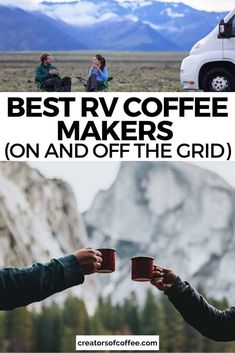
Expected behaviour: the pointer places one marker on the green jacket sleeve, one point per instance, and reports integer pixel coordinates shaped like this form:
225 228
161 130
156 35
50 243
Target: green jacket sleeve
40 75
22 286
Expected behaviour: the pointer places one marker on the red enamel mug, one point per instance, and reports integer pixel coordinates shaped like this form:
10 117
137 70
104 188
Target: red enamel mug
108 263
142 268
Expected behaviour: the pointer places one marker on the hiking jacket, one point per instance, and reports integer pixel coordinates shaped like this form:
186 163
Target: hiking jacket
213 323
42 73
101 75
22 286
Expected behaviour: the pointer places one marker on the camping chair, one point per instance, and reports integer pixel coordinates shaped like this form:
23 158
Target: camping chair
42 88
101 87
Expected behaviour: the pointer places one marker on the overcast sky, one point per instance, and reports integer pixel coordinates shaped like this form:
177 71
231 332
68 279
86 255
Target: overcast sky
210 5
87 178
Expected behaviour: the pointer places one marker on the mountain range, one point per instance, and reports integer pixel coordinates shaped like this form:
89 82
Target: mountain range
21 31
107 25
180 214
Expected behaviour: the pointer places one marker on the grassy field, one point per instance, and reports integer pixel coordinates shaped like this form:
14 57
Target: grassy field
132 72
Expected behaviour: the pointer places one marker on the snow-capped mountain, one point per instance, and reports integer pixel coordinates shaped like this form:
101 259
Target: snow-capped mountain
101 24
22 30
182 215
178 23
125 35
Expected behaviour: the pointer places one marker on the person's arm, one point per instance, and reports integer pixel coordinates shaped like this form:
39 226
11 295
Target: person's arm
57 75
40 75
90 71
213 323
104 74
22 286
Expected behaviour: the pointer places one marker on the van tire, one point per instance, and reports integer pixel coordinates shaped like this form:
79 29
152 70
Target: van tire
218 80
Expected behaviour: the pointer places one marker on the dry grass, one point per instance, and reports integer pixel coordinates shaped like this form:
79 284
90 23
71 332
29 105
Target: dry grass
133 72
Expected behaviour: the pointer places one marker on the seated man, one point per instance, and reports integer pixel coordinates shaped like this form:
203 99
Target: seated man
213 323
47 75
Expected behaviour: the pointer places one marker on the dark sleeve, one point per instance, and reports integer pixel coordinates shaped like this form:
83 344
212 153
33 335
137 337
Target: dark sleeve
40 76
22 286
58 75
213 323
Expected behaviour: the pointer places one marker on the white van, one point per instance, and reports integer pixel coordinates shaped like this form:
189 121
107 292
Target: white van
211 64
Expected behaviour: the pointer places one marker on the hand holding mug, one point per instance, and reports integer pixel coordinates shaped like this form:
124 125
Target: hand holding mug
90 260
163 278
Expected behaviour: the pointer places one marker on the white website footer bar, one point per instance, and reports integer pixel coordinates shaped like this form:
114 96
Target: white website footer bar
117 343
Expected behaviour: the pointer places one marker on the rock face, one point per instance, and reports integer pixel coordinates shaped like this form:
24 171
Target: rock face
182 215
39 220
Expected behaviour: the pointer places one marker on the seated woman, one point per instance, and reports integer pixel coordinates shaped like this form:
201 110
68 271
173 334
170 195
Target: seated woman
97 74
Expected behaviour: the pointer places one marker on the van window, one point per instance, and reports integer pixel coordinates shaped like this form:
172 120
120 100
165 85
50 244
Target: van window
233 27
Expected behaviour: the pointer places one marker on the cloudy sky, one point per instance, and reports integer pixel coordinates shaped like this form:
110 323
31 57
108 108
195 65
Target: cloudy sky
87 178
208 5
216 5
85 11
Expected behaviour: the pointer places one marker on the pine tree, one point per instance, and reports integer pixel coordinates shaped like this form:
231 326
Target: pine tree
150 316
106 312
68 340
75 321
131 315
75 316
174 334
48 329
2 332
161 323
18 330
194 341
96 325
